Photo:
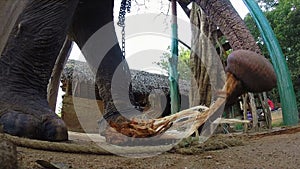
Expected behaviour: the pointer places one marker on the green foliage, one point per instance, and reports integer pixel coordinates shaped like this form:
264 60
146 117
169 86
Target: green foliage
297 93
278 124
267 4
239 126
284 18
183 62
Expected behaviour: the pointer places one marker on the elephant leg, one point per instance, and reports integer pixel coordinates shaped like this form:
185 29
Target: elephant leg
98 42
25 68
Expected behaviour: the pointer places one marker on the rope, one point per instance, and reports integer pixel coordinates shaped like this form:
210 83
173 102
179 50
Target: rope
91 148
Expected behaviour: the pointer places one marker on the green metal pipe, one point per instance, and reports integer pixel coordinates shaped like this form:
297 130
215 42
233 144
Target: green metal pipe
284 82
173 62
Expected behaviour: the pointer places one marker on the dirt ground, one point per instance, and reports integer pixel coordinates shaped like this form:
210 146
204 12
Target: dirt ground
278 149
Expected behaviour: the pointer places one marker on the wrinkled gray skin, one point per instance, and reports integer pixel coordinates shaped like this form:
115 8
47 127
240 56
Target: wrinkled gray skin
29 56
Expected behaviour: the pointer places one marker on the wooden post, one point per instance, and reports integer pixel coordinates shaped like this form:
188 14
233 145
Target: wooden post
253 111
268 115
245 98
155 100
9 13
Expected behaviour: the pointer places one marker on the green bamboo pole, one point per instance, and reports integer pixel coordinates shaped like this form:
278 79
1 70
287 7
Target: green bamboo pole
284 82
173 62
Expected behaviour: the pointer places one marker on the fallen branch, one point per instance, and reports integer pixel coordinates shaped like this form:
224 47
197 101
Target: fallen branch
222 121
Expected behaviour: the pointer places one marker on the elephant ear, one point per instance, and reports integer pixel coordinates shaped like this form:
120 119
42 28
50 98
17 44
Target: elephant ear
254 71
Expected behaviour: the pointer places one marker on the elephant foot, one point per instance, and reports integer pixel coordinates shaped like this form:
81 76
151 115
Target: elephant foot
31 119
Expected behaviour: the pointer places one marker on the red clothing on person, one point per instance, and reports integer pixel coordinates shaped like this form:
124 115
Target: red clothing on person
271 104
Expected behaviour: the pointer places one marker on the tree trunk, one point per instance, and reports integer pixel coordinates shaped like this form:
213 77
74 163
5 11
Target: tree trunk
267 112
245 98
53 85
253 111
9 13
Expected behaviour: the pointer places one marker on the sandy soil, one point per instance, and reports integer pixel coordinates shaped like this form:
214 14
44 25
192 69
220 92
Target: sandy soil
276 150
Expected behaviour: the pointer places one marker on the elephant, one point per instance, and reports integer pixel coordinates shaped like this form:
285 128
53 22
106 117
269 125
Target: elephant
35 41
30 53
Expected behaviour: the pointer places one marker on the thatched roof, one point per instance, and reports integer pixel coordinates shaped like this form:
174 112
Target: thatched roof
146 82
77 70
142 82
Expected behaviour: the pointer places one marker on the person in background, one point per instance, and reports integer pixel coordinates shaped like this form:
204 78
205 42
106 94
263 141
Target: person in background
271 105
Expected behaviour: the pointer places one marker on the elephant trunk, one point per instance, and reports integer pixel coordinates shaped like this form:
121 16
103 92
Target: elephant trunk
223 14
